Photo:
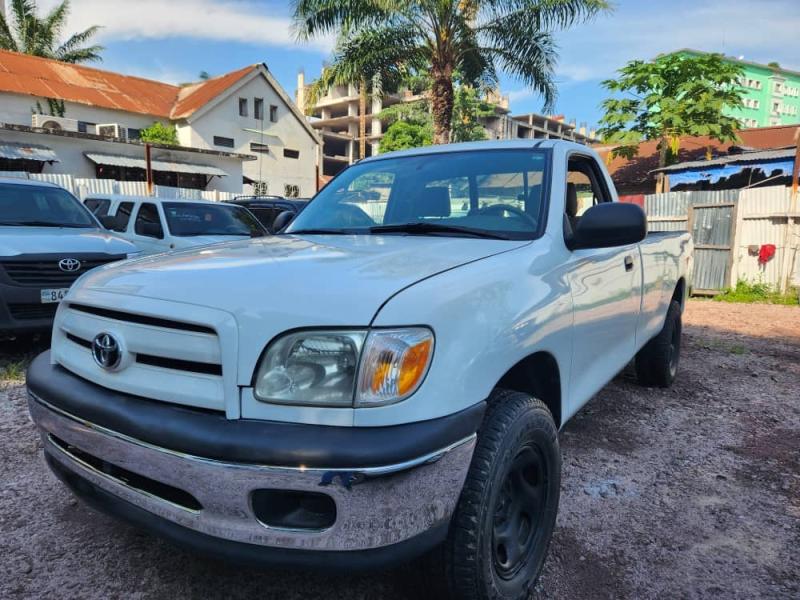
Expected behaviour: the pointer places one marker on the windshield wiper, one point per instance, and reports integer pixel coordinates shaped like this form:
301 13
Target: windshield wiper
42 224
422 228
319 232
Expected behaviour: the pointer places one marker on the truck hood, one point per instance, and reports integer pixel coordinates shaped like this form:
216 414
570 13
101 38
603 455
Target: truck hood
48 240
293 281
204 240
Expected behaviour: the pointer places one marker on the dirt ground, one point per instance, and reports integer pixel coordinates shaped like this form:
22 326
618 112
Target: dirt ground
691 492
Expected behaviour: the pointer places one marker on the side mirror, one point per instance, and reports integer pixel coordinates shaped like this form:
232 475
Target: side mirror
610 224
282 221
108 221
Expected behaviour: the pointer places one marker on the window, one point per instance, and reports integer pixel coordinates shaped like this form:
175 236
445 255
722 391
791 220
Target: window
258 108
585 188
223 141
259 148
242 107
123 217
185 219
287 153
98 206
27 204
148 222
134 134
260 188
291 190
83 127
492 193
776 107
273 113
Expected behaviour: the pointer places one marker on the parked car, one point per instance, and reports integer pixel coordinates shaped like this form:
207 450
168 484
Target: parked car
47 241
267 208
383 380
162 224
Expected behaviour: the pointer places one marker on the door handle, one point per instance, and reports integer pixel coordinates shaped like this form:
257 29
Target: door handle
629 263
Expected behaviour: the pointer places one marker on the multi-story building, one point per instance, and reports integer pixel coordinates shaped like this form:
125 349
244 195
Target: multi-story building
771 94
336 117
238 128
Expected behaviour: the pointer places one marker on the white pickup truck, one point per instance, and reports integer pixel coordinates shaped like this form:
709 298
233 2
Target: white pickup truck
384 379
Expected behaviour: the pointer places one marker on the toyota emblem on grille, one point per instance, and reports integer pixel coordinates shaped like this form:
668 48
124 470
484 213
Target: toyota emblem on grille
69 264
106 351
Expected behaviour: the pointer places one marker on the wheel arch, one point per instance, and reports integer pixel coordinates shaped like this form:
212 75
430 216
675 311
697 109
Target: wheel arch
680 292
537 374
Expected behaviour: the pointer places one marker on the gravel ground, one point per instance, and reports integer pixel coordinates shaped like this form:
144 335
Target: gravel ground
689 492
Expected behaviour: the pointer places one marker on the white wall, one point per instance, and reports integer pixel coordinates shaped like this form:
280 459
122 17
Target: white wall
17 109
70 151
223 120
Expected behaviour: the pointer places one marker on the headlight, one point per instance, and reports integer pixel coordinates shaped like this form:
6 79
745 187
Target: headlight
310 368
344 368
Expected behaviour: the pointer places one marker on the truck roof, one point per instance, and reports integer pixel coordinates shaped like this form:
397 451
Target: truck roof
523 144
31 182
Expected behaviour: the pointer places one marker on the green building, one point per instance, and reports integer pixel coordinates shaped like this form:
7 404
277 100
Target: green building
772 94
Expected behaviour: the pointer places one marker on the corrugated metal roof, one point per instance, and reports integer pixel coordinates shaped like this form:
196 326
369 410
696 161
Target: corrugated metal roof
47 78
733 159
157 165
16 151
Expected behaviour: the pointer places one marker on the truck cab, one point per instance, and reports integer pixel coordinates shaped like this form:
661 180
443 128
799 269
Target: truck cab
162 224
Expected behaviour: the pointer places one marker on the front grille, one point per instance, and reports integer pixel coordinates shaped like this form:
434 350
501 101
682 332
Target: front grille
140 319
46 273
28 312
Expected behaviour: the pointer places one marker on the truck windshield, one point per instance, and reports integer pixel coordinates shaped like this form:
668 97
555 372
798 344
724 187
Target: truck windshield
484 193
39 206
186 219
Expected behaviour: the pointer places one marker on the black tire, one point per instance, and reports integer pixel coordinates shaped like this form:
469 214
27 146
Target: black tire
513 487
657 362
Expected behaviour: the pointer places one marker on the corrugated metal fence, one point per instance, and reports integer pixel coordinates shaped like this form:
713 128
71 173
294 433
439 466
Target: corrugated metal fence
729 229
83 187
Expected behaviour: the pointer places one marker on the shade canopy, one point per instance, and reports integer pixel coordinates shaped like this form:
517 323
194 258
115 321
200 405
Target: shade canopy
157 165
15 151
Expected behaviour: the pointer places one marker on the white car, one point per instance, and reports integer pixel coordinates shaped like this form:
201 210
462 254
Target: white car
384 379
47 241
161 224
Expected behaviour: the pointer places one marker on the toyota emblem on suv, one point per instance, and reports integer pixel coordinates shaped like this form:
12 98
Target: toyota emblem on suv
106 351
69 264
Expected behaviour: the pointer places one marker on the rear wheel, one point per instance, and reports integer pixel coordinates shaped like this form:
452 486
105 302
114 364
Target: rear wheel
505 517
657 362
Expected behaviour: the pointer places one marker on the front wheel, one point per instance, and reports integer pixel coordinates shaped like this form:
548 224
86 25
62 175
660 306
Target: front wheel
505 517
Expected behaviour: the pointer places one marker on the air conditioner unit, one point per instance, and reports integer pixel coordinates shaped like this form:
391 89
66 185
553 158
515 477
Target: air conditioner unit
54 123
114 130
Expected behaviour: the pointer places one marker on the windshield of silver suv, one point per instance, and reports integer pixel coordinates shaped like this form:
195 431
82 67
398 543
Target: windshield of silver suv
493 194
41 206
185 219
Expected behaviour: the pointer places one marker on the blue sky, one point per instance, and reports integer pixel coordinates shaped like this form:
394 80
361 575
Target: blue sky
173 40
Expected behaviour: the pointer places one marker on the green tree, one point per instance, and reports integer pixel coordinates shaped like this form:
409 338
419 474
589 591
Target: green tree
402 135
27 32
672 96
158 133
477 38
468 110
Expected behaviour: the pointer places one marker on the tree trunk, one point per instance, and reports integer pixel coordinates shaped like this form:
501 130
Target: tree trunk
442 103
663 147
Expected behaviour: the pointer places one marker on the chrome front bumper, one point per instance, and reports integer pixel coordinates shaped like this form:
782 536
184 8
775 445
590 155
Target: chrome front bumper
375 507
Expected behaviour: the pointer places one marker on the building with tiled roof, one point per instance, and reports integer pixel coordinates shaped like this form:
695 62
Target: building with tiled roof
240 118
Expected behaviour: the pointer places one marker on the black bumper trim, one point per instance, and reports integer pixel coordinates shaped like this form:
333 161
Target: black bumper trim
242 554
209 434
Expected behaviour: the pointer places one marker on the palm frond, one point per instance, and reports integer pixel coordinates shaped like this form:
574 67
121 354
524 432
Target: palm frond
70 51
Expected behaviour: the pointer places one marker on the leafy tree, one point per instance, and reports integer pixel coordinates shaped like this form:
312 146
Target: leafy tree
55 108
158 133
402 135
29 33
468 109
477 38
672 96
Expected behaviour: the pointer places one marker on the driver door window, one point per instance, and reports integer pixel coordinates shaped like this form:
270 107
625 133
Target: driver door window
584 190
148 222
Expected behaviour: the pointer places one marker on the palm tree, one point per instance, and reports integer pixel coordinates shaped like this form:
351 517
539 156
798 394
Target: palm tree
29 33
389 39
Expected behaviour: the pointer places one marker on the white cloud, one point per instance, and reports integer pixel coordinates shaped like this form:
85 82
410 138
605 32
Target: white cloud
217 20
761 30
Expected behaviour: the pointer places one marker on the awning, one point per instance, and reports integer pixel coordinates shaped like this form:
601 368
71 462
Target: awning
14 151
157 165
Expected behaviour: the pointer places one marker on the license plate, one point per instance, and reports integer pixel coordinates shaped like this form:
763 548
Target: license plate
53 295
